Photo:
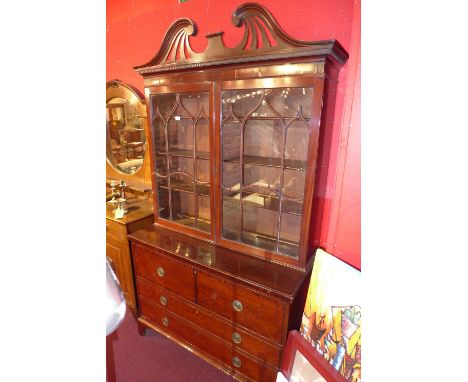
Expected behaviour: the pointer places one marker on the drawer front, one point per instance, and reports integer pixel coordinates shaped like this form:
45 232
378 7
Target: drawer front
247 366
114 256
206 342
241 305
115 232
175 325
164 271
230 332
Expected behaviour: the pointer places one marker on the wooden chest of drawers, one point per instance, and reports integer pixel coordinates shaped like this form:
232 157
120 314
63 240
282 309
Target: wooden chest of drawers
231 309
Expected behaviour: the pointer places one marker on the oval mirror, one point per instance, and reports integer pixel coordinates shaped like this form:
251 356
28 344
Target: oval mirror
125 127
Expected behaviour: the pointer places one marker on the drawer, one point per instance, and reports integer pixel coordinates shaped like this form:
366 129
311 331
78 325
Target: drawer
181 328
257 312
114 256
164 271
207 343
247 366
228 331
115 232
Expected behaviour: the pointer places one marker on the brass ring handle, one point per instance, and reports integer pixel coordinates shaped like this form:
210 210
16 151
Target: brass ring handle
236 362
237 305
165 321
236 337
163 300
160 271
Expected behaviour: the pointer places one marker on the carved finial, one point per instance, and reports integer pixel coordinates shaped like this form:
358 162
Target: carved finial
175 46
254 17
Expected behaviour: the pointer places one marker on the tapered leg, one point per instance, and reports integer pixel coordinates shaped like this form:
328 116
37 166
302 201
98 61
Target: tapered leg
141 329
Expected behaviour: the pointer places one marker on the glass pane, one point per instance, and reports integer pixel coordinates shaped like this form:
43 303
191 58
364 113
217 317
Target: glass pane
161 165
203 138
297 141
290 227
180 136
231 215
231 175
259 225
203 170
289 101
231 139
182 143
262 141
293 185
261 178
183 208
196 104
163 200
264 135
204 214
183 165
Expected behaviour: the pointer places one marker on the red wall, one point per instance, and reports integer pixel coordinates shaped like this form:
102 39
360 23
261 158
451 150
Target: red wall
135 29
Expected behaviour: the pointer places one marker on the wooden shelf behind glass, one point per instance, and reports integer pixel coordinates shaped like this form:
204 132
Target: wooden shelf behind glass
269 202
290 164
288 248
261 118
186 186
186 154
187 220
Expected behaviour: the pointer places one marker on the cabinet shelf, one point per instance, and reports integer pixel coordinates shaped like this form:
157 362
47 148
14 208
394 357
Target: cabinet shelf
185 154
259 200
261 118
290 164
179 117
191 221
289 248
185 186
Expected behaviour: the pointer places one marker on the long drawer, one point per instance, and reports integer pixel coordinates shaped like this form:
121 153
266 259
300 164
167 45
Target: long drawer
165 271
258 312
230 332
222 351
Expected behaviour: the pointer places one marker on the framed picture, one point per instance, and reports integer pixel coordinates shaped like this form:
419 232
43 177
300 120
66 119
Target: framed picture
302 363
331 322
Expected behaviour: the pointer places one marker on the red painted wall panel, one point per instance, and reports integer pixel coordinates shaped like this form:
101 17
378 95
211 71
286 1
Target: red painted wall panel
135 29
343 234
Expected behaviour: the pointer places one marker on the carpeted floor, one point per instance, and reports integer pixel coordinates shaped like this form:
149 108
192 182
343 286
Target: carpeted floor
154 358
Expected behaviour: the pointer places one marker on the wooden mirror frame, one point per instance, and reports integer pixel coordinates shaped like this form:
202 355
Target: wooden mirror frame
141 179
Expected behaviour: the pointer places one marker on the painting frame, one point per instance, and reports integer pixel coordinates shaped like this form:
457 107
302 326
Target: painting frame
297 343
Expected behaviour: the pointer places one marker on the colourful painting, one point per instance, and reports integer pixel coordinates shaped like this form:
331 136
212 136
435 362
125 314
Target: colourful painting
332 315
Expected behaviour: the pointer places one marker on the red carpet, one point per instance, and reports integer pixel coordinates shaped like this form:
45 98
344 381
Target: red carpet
154 358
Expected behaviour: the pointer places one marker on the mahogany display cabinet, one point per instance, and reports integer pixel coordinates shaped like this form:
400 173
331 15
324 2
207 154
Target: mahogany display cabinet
234 143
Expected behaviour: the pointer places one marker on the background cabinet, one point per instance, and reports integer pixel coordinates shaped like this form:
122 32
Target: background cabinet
117 246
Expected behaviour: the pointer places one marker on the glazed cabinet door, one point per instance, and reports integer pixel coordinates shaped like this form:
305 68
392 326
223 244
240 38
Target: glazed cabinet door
182 157
268 142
